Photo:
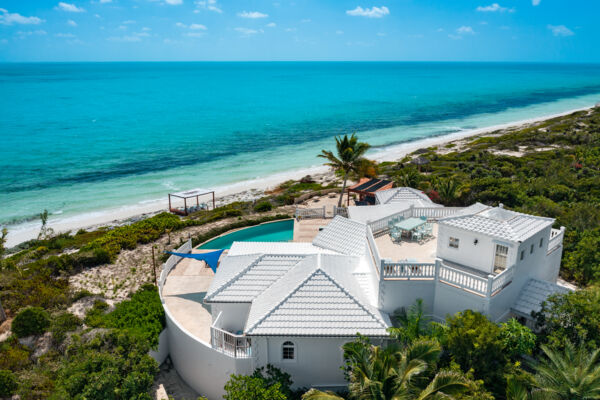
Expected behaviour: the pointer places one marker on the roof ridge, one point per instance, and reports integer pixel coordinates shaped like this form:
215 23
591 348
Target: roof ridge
233 278
294 290
348 293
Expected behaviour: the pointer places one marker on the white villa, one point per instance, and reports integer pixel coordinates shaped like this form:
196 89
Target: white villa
294 304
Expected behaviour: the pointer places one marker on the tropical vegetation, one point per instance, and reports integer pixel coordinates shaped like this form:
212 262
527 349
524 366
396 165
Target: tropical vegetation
348 158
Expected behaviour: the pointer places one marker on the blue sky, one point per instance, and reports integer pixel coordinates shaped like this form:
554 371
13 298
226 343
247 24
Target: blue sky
411 30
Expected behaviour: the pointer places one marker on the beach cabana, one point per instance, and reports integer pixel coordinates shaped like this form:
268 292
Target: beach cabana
367 187
191 207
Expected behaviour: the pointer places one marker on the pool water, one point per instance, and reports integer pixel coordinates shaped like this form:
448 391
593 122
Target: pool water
280 231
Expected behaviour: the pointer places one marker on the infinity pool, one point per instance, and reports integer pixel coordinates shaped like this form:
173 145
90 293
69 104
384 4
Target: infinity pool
280 231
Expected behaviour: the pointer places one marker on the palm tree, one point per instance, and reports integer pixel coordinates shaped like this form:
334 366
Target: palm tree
447 189
412 323
570 374
395 373
409 177
348 159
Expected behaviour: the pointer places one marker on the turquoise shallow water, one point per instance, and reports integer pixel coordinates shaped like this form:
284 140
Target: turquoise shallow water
280 231
82 138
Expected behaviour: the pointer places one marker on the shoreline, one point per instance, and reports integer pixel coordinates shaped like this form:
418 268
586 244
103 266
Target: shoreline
252 189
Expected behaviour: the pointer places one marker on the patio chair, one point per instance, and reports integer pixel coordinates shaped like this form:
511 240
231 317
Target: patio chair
424 218
396 235
417 236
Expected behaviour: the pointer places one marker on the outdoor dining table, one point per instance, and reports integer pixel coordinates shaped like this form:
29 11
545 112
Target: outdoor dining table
410 224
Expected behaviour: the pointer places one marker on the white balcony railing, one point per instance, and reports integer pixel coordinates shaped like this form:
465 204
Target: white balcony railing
502 280
343 211
310 212
408 270
237 346
381 226
464 280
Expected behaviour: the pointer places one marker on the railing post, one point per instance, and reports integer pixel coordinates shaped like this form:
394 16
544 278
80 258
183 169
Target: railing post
436 273
490 282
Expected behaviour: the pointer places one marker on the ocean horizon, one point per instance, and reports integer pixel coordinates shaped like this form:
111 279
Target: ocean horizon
80 139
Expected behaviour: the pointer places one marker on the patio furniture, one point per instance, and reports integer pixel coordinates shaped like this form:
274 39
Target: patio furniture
409 225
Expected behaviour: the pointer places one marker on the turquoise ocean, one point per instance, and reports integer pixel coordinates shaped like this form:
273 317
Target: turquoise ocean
83 139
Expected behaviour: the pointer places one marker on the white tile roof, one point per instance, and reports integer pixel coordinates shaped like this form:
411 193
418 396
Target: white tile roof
241 284
404 195
319 296
499 223
366 214
239 248
344 236
533 294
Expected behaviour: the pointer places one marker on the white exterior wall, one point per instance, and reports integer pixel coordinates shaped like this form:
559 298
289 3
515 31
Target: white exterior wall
403 293
206 370
479 256
317 364
161 353
233 315
449 300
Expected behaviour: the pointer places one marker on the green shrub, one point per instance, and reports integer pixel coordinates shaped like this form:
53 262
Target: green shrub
63 323
143 315
95 315
13 355
8 383
263 206
113 365
30 321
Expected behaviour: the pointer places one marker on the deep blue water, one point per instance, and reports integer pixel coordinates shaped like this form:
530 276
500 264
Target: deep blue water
83 137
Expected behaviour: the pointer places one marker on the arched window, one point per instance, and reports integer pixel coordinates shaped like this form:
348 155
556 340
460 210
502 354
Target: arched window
288 351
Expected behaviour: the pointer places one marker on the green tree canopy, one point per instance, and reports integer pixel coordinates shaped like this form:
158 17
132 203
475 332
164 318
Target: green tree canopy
348 158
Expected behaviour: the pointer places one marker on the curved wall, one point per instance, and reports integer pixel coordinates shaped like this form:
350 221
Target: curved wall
204 369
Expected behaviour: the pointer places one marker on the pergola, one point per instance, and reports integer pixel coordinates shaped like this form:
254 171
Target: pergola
190 194
366 188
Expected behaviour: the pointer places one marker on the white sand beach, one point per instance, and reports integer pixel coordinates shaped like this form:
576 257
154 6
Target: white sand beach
250 189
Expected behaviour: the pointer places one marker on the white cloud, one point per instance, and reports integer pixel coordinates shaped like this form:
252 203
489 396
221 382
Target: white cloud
71 23
210 5
23 34
455 37
381 34
495 7
291 29
126 38
128 22
375 12
197 27
252 14
65 35
271 25
180 25
305 20
97 16
69 7
560 30
142 34
339 32
146 29
174 2
247 31
195 34
7 18
105 1
535 2
465 30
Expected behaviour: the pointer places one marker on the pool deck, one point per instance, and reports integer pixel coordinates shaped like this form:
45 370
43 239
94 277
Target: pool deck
189 280
184 293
